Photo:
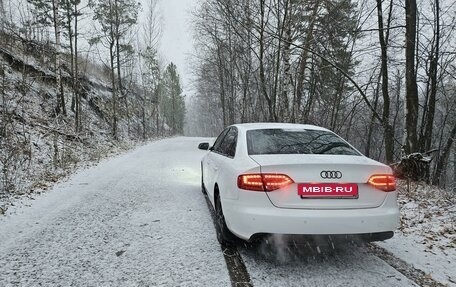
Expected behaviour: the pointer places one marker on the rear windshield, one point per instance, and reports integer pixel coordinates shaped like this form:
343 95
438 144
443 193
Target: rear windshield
296 141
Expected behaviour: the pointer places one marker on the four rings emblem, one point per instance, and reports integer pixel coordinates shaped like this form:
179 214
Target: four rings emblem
331 174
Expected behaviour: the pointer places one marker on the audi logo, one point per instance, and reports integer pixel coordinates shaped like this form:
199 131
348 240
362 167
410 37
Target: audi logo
331 174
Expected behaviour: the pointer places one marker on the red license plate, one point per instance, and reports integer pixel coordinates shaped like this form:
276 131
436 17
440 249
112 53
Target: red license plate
328 190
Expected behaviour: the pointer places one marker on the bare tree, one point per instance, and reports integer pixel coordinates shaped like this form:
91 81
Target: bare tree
411 120
116 18
59 86
389 133
439 170
427 124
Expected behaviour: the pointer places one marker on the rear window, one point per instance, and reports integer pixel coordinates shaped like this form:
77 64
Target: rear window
296 141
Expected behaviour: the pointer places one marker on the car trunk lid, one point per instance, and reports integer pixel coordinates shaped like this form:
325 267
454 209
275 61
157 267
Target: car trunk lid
307 168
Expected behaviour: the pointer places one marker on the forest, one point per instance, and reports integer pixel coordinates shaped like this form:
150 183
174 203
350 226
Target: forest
379 73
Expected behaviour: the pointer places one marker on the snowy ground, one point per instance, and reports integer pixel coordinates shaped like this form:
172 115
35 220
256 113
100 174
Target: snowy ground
352 265
140 219
427 236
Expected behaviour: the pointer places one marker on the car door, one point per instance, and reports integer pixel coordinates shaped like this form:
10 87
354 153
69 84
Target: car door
208 164
223 162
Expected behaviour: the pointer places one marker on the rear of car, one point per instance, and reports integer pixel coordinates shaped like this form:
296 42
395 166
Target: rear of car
309 181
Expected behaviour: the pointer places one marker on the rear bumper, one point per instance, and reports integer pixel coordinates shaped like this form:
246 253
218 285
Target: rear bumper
247 220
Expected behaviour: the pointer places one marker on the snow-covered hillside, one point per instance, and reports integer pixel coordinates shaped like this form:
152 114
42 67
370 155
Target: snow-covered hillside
38 147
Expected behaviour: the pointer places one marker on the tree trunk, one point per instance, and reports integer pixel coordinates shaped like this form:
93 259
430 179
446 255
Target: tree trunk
113 75
2 16
388 133
232 86
433 69
70 38
372 119
302 66
336 102
60 107
263 85
284 113
119 68
114 91
444 157
144 124
454 169
76 72
173 123
411 117
221 75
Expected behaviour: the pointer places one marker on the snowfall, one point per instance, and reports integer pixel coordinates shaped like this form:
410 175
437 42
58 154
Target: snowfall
140 219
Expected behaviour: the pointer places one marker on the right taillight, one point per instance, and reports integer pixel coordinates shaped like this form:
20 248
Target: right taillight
385 182
263 181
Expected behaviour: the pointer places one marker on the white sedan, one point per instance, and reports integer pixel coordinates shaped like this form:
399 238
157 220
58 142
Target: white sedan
290 179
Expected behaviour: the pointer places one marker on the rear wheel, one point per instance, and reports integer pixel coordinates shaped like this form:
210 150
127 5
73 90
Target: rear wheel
203 188
224 235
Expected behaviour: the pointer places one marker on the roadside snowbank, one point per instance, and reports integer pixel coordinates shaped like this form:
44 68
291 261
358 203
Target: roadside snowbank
427 236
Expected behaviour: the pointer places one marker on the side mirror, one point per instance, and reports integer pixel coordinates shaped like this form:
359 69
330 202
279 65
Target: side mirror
203 146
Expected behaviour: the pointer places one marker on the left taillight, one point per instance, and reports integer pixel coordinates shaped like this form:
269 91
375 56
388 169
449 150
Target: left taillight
263 181
385 182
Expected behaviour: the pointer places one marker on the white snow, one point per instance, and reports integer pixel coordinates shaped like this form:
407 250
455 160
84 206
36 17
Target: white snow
437 263
427 237
351 266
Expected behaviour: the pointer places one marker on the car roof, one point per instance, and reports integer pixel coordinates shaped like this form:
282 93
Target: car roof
257 126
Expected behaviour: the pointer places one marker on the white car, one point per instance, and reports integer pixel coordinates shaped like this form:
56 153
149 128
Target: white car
271 178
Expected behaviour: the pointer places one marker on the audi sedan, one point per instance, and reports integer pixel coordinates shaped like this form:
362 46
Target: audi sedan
291 179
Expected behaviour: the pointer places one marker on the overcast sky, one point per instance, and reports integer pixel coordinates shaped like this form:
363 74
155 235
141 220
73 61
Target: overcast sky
177 41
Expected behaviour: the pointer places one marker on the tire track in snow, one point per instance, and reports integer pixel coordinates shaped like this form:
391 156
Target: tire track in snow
416 275
236 268
349 264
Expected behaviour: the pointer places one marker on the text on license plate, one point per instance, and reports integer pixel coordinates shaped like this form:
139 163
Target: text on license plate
328 190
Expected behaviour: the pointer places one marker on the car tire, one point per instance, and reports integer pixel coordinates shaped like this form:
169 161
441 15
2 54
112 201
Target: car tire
203 188
224 235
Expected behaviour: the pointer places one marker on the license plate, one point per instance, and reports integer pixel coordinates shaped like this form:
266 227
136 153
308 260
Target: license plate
328 190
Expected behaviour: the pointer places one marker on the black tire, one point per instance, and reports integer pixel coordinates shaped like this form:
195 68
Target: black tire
203 188
224 235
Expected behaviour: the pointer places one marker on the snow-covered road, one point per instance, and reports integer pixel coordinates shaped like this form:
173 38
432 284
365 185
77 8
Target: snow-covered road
140 219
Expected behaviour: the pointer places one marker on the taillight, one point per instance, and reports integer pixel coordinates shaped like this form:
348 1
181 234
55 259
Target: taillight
385 182
276 181
251 182
263 181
